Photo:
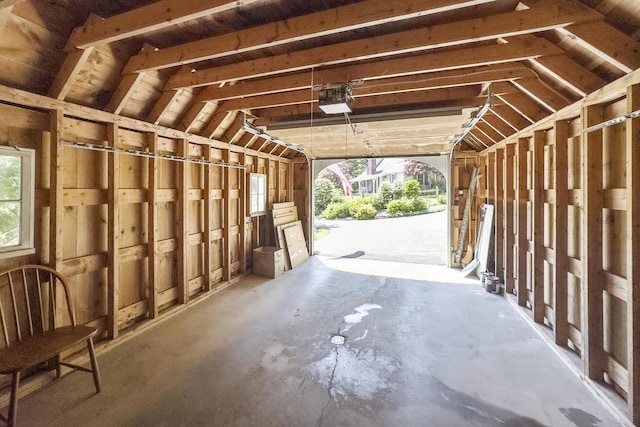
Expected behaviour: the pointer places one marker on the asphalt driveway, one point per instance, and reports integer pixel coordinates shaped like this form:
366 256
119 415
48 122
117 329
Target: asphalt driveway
420 239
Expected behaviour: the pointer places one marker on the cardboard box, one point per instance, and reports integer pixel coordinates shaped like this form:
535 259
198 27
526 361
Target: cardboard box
268 261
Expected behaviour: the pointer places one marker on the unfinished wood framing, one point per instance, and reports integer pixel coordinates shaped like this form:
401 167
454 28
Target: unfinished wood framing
577 224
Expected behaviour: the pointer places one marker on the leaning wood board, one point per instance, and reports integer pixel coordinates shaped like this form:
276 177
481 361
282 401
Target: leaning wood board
282 243
296 244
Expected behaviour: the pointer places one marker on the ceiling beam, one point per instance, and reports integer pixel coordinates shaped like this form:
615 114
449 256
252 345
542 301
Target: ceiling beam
435 61
522 103
569 73
326 22
292 82
607 42
510 116
152 17
450 34
540 91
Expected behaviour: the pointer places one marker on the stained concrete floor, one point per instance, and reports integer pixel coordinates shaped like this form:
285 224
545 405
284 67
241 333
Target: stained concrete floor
418 352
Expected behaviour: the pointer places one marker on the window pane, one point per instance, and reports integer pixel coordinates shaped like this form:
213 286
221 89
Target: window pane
10 177
9 224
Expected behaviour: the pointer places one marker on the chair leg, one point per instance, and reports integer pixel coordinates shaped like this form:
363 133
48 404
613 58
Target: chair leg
94 365
13 404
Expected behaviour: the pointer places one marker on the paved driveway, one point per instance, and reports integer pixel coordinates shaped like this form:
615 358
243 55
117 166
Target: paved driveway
420 239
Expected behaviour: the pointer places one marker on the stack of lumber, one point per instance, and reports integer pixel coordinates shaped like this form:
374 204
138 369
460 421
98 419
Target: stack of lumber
289 234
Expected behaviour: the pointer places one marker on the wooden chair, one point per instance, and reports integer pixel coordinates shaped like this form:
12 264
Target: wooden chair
34 305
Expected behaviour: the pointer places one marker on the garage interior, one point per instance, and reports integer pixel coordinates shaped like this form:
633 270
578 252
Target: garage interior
147 119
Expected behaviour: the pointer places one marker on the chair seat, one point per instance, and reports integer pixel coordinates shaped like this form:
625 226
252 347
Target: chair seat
33 350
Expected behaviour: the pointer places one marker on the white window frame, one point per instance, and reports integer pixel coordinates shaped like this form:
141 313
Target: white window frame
26 245
257 194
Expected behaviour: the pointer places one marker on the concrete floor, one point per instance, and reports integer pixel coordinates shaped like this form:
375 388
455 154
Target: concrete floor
417 353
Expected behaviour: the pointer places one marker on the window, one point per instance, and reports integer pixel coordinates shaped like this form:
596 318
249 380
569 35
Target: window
17 168
258 205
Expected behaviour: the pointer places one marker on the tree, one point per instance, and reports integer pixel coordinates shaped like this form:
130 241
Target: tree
324 190
351 168
412 189
415 168
9 195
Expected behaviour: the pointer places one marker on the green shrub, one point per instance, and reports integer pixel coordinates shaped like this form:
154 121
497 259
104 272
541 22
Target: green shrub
418 204
442 199
397 207
398 190
336 210
412 189
366 212
386 194
356 202
378 202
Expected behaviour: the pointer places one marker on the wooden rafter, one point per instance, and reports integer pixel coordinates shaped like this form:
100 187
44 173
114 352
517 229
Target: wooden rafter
521 102
510 116
167 98
451 34
302 81
155 16
125 88
192 114
614 46
5 14
68 73
345 18
569 73
439 61
216 120
536 88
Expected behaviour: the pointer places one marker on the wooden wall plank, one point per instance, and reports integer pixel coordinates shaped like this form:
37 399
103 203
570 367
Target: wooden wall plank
560 260
538 225
113 208
593 354
633 254
210 194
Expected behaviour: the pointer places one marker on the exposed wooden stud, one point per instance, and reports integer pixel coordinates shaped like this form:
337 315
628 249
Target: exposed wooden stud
509 199
242 213
593 354
113 207
207 214
499 200
152 17
152 221
633 254
537 202
227 218
183 223
561 224
56 195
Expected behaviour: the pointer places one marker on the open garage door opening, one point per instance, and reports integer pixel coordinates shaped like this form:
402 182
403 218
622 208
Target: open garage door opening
382 209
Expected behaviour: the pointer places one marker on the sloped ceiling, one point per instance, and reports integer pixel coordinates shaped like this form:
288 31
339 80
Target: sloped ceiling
420 70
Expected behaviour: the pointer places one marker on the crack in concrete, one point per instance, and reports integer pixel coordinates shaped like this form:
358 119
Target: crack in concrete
330 387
